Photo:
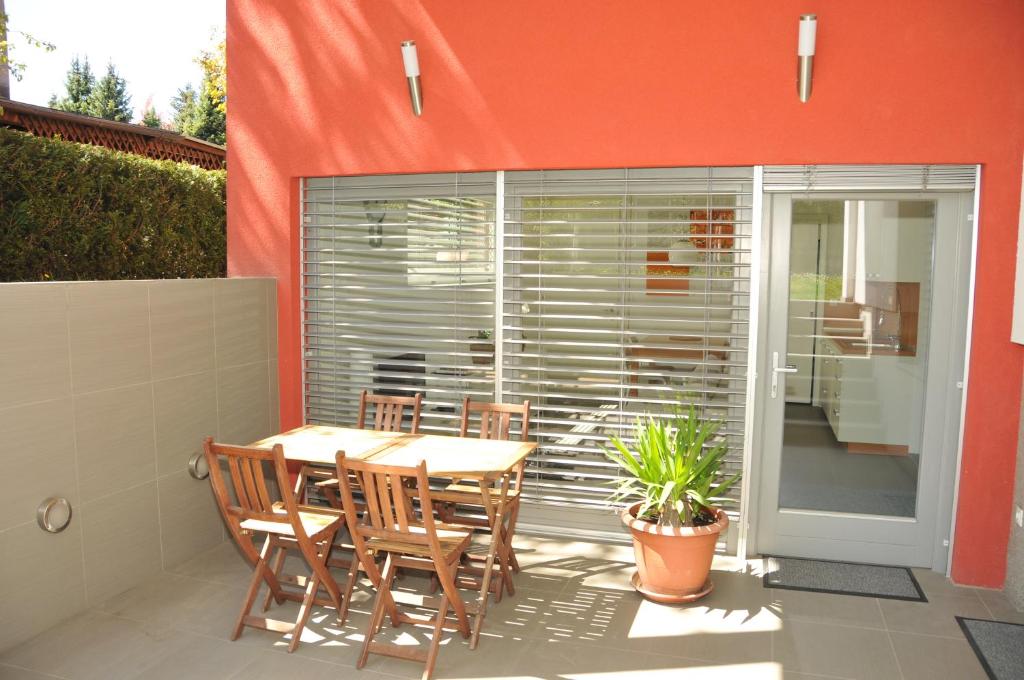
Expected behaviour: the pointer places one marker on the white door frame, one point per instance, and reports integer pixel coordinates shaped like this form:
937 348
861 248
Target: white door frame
958 356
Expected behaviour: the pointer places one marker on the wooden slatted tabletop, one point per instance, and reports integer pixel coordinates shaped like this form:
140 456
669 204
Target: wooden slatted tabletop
462 457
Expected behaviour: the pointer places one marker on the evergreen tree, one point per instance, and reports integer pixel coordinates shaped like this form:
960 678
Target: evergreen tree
196 114
110 99
150 118
185 106
203 114
78 85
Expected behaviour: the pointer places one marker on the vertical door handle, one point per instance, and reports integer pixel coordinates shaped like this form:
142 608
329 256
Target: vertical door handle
776 369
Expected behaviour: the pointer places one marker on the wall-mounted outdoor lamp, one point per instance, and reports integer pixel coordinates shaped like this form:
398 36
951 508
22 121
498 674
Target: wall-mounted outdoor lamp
412 74
805 55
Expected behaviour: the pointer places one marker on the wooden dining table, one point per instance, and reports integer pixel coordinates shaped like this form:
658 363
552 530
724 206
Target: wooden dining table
485 461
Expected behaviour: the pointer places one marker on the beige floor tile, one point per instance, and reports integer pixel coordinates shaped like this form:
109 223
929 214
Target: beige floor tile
701 671
934 583
582 662
549 571
274 665
738 591
586 627
826 649
169 600
15 673
583 616
923 657
222 564
194 657
93 646
608 575
216 615
493 658
847 610
546 548
697 631
325 640
936 617
1000 607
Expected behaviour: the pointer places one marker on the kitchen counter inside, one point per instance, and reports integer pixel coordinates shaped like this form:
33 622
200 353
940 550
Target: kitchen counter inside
855 346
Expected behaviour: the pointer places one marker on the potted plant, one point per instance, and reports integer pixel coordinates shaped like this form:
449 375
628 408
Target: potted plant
674 474
486 346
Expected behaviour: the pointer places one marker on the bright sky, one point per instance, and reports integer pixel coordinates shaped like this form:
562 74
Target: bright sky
152 44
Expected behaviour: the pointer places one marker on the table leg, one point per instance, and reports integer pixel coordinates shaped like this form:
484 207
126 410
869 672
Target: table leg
493 550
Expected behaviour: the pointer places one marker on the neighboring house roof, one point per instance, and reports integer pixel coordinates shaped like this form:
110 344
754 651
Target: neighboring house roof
137 139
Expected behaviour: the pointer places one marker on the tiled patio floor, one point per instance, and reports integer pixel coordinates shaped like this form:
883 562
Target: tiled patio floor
573 617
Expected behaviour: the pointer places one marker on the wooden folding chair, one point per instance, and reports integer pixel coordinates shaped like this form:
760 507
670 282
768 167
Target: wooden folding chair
401 525
389 412
389 416
248 507
495 423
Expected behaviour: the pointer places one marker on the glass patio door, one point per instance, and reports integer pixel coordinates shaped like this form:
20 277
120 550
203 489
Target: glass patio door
866 311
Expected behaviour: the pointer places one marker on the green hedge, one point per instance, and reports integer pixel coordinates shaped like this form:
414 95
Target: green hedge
77 212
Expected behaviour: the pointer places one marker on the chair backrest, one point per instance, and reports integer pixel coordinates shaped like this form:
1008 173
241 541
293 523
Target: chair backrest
495 419
389 412
390 510
249 497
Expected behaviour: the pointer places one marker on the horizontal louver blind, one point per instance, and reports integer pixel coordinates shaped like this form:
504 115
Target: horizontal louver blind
398 293
869 177
626 292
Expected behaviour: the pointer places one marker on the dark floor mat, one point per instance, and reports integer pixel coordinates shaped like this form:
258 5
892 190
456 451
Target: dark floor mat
844 578
999 646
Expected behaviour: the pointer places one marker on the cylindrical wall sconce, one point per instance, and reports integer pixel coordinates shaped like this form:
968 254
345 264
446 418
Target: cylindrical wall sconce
805 55
412 74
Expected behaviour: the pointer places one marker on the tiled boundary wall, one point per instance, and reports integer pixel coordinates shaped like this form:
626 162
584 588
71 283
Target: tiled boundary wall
106 390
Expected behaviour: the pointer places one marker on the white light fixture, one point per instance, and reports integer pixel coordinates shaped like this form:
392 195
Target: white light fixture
805 55
412 74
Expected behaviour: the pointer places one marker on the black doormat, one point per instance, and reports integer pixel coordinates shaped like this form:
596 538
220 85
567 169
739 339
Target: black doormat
843 578
999 646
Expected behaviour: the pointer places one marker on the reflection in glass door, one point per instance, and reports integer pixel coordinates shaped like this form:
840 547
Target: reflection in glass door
859 294
863 317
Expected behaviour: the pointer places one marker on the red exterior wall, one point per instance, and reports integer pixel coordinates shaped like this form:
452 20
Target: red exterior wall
317 88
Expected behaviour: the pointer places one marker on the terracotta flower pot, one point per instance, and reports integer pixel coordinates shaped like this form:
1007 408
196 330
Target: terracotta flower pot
673 563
